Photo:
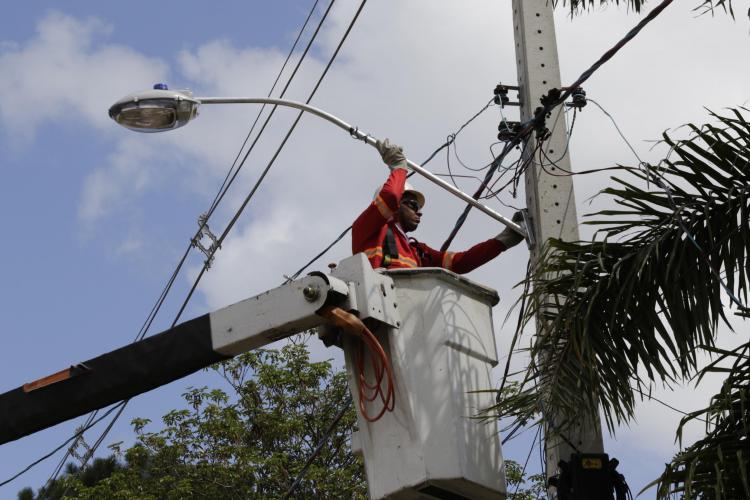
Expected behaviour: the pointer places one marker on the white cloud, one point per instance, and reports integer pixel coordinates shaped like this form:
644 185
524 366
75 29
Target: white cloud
65 73
412 73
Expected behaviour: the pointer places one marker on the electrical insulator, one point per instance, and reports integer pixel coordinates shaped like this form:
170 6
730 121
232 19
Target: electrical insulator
501 95
508 130
579 98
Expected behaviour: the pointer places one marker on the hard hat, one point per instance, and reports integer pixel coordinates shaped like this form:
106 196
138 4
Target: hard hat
408 188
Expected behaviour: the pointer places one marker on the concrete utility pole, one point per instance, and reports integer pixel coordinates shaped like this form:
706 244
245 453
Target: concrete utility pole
549 197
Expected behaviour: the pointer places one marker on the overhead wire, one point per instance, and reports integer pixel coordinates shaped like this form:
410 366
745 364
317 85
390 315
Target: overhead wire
226 184
263 174
526 463
63 445
323 440
217 199
581 79
270 164
658 179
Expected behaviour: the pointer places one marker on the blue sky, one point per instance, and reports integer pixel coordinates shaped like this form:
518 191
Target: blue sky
96 216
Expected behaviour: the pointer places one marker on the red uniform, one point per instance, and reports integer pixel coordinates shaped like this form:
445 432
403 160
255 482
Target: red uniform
370 228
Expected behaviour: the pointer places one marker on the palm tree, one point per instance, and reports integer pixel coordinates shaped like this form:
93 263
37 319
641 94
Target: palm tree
645 296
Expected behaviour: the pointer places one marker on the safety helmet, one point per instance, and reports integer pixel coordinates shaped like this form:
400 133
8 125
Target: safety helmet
408 188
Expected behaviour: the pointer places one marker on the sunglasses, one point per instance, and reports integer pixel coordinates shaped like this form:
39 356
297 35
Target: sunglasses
412 204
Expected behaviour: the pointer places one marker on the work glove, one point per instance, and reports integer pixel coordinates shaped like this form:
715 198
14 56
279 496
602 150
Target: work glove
392 155
509 237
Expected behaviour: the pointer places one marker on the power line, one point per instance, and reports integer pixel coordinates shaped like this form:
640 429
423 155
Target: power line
257 184
263 107
220 194
73 437
263 174
319 447
528 457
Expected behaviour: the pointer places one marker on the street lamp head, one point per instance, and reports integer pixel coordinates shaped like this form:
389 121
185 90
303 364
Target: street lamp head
155 110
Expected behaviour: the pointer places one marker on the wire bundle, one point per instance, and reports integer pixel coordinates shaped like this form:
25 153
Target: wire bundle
381 365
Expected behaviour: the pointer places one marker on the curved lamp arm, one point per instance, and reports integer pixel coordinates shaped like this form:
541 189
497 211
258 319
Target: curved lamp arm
161 109
358 134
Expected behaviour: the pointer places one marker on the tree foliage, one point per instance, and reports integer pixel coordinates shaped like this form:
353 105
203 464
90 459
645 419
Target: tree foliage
251 445
704 6
645 296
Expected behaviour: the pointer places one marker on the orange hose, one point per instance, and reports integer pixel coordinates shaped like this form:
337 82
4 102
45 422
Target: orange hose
380 363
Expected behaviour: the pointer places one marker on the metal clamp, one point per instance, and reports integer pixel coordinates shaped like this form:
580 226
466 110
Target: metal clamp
205 231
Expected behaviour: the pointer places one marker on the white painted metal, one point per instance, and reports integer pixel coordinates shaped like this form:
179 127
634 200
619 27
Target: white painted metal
550 197
373 295
444 349
272 315
367 138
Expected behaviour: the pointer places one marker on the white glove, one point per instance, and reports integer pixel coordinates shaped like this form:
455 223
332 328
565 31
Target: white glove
392 155
510 237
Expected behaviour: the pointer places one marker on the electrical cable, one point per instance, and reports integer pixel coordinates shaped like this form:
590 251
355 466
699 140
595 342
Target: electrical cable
526 463
223 188
608 55
462 218
275 106
273 87
667 405
319 255
262 176
318 448
658 179
73 437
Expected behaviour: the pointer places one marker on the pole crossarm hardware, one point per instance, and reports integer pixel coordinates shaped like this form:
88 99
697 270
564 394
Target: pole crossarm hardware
195 344
161 109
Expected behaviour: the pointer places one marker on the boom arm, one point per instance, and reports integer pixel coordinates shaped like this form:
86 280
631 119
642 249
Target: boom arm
200 342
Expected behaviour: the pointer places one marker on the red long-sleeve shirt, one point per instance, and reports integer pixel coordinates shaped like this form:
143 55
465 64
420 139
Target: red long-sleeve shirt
369 230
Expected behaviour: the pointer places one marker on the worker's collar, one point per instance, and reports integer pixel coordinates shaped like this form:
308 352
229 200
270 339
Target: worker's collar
400 229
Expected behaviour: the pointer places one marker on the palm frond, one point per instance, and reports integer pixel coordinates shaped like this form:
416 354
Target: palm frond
717 466
646 293
704 6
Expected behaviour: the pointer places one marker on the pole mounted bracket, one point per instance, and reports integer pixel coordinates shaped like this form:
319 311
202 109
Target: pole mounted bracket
501 95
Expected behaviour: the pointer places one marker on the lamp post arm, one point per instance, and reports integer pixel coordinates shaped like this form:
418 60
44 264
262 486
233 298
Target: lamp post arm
363 136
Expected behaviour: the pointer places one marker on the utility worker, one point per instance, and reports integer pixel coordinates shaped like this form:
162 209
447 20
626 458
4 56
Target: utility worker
380 231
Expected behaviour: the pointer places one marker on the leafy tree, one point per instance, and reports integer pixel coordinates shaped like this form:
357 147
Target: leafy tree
518 487
249 446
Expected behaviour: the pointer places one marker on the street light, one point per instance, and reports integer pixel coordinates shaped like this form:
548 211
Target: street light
161 109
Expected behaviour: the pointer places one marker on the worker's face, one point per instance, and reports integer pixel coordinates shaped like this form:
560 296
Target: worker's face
409 213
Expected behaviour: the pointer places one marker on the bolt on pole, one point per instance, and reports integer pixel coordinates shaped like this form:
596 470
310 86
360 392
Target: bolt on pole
550 198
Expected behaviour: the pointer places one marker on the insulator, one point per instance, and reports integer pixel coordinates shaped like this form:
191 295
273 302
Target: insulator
579 98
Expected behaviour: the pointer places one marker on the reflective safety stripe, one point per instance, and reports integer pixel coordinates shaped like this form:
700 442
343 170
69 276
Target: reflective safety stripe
402 261
448 260
373 252
382 207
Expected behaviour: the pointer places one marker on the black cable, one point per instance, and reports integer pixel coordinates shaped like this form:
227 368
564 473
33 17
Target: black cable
257 184
275 106
263 107
667 405
271 162
319 255
319 447
608 55
222 189
526 463
462 218
519 326
73 437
